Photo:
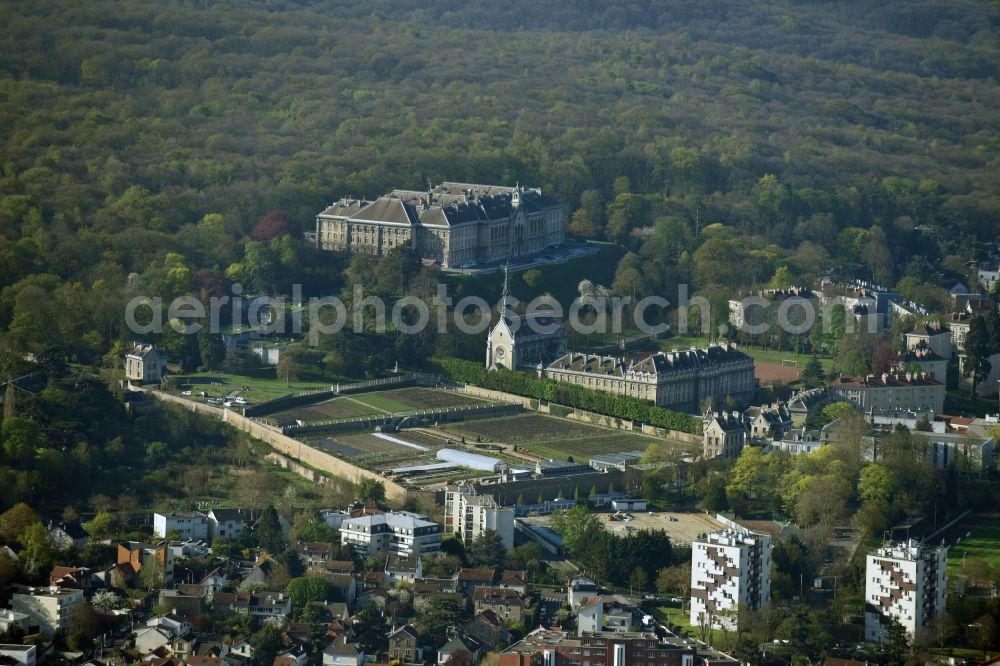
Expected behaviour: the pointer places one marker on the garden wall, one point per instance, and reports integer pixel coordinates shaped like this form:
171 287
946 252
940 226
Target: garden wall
290 447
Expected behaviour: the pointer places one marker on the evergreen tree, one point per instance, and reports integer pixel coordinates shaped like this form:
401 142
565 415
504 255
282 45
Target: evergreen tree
978 347
267 531
812 374
487 550
211 349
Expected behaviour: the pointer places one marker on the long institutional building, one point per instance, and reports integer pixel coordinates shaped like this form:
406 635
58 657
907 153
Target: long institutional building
905 581
887 392
454 224
678 380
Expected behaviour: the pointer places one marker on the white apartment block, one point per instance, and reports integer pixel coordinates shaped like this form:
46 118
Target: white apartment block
906 581
191 525
396 532
470 514
51 608
21 655
729 568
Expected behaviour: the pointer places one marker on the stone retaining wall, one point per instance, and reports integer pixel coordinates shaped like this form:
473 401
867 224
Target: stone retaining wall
289 447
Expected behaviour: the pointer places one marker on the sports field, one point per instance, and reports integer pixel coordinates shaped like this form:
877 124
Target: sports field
552 437
983 541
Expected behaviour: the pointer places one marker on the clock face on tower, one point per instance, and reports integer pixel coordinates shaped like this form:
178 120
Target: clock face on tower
501 352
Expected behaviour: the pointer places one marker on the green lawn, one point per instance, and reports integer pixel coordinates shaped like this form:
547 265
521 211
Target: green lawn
682 618
560 280
958 403
984 542
259 390
762 355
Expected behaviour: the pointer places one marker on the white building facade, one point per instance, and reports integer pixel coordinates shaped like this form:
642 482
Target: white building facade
470 514
729 569
51 608
397 533
906 582
192 525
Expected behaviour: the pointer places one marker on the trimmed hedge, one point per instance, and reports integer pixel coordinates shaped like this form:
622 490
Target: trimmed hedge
571 395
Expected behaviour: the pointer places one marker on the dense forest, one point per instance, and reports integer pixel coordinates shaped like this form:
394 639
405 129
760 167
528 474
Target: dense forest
176 147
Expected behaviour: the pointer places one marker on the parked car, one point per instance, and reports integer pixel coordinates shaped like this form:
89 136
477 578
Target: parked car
188 392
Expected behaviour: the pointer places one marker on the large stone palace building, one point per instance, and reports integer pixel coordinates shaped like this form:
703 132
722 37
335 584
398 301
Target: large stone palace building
678 380
455 224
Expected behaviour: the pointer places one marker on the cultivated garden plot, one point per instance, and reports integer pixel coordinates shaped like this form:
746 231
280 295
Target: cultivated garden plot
551 437
377 402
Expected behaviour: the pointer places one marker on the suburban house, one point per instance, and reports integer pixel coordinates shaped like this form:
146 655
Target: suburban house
460 644
514 580
226 523
403 645
146 364
342 653
140 555
723 435
580 588
151 639
507 604
487 628
67 534
314 553
344 587
803 403
467 580
293 656
338 566
768 421
260 605
590 617
78 578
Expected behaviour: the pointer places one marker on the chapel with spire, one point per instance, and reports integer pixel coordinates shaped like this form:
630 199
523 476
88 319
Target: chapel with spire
523 341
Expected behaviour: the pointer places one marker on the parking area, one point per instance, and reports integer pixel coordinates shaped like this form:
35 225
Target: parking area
682 528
